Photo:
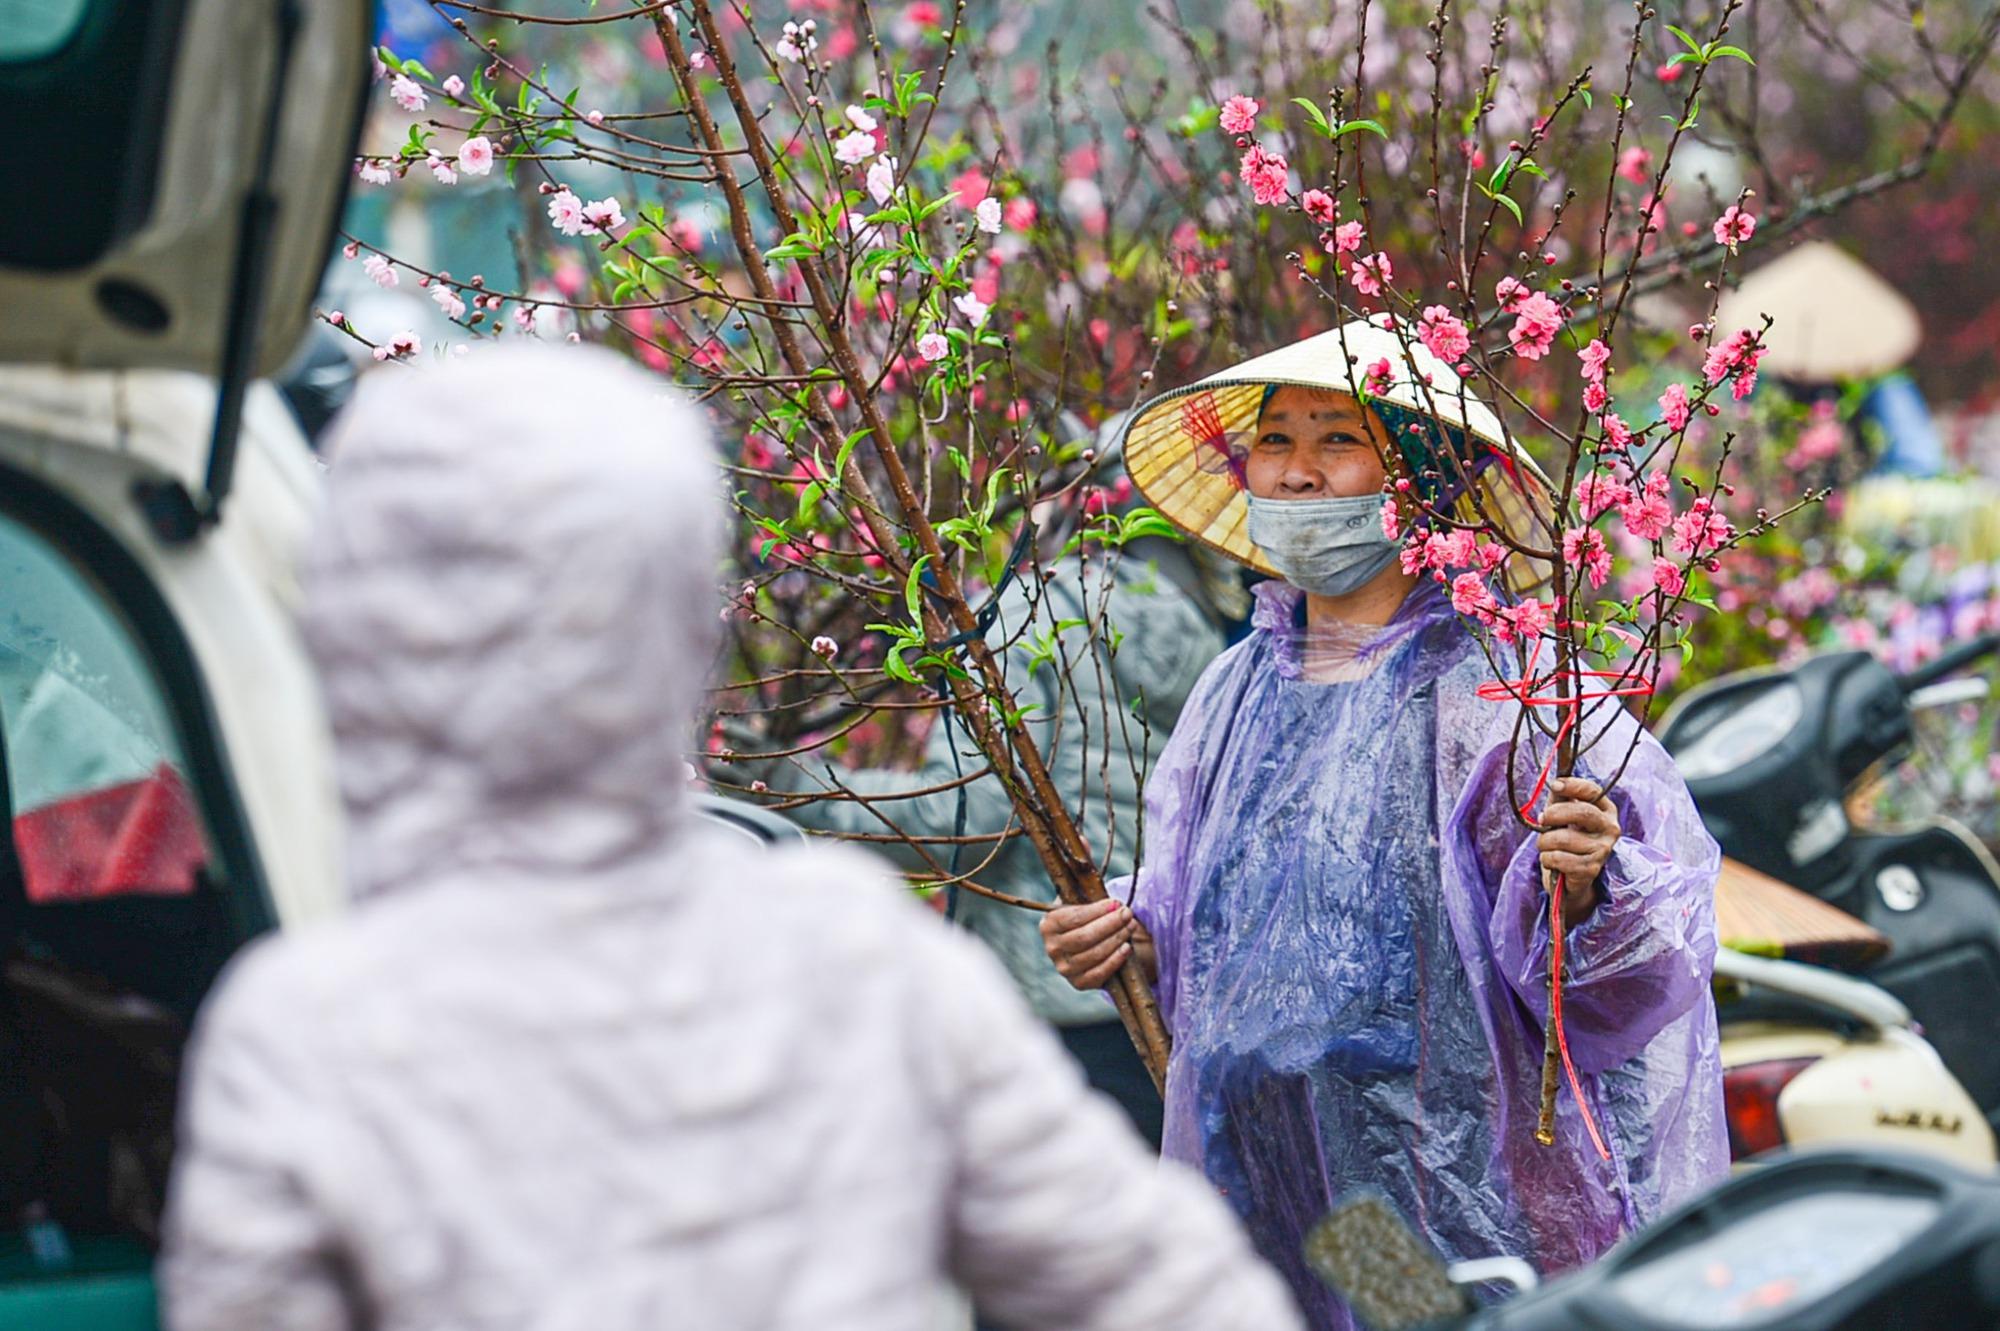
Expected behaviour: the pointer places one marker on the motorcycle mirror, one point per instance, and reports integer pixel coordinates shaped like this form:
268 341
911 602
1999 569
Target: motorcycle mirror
1388 1276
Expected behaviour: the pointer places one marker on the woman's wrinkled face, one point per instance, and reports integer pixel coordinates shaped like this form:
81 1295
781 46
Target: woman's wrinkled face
1314 444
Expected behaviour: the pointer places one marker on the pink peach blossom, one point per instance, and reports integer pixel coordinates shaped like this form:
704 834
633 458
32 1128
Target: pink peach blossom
1239 114
1600 491
602 217
407 93
1471 596
1530 619
1701 529
1734 227
1596 358
854 148
1650 511
1265 172
1537 320
475 156
566 212
1617 434
1585 546
1674 407
402 345
1444 333
1371 273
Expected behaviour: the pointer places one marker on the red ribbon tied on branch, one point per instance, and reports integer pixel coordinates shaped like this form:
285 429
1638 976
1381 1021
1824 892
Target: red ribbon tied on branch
1531 691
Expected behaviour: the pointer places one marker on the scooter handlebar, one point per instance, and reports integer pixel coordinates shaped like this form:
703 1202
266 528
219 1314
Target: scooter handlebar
1951 661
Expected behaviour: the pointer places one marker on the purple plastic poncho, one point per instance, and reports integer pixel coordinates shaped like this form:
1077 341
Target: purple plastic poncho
1353 945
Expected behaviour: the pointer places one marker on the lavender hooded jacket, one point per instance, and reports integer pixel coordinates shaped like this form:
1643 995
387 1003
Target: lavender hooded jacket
572 1064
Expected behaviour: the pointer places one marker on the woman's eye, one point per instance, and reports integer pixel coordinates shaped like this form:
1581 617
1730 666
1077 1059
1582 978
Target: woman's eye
1278 439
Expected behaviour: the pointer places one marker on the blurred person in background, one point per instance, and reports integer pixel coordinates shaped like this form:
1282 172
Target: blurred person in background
574 1062
1152 595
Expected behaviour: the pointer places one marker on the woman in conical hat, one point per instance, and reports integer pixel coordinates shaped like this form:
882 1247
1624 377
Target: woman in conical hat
1342 913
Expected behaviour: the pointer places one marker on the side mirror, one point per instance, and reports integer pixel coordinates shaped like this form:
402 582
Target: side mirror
1390 1277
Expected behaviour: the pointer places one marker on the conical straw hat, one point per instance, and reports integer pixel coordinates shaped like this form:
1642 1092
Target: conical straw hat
1832 318
1756 913
1184 449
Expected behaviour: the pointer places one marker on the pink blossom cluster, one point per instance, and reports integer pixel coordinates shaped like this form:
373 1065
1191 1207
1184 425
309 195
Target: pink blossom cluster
1600 492
1734 358
1537 320
1380 376
1596 358
1443 333
1701 530
1648 509
1585 548
1674 407
1371 273
1265 172
573 217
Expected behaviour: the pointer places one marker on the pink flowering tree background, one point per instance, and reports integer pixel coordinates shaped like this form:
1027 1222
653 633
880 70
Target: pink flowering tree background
912 261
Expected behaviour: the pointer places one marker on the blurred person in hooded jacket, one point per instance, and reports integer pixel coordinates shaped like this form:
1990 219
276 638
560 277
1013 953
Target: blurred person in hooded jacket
573 1061
1345 918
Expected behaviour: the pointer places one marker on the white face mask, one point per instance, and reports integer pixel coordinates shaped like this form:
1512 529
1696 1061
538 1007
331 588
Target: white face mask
1328 547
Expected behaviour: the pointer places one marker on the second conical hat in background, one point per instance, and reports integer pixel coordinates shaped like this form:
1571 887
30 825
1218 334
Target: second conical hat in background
1832 317
1756 913
1184 449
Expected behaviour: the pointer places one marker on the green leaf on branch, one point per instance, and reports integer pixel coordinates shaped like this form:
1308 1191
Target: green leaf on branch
389 60
1350 126
1318 116
1503 201
808 497
1200 118
1681 33
1731 52
1694 109
847 451
913 591
934 205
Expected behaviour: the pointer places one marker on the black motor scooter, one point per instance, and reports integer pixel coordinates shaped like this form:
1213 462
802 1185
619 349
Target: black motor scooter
1770 755
1824 1241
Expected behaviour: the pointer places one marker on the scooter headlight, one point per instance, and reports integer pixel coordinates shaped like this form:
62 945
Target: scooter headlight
1745 733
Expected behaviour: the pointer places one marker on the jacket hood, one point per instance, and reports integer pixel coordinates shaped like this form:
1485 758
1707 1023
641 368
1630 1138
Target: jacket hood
510 598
